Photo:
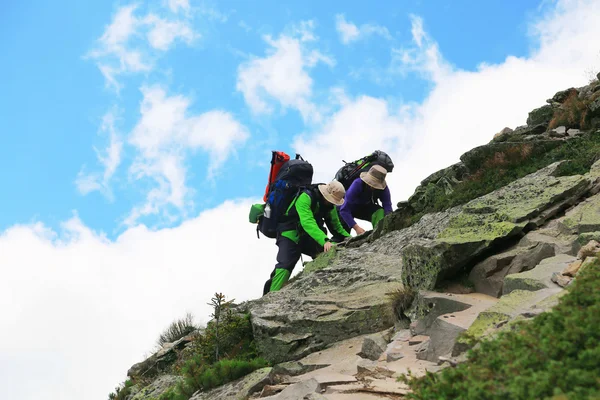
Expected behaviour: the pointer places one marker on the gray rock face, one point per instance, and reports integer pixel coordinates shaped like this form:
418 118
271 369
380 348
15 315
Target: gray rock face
541 115
561 96
531 130
240 389
538 278
488 276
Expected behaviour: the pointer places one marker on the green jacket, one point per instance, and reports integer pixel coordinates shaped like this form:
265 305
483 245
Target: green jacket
311 217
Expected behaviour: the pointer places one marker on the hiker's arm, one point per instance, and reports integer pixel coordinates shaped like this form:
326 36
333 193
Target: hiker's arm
386 200
335 224
307 219
351 197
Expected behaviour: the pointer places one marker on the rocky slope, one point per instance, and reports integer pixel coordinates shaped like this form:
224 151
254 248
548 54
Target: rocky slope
487 241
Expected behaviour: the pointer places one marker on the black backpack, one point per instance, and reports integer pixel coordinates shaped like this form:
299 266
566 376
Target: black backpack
293 177
349 172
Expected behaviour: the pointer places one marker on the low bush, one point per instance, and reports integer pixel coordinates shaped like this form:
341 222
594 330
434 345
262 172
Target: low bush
555 356
234 339
199 376
178 329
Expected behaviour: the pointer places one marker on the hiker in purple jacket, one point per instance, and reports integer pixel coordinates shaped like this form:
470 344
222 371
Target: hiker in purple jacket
362 200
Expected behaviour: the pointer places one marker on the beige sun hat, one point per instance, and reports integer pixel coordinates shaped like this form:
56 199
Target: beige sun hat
333 192
375 177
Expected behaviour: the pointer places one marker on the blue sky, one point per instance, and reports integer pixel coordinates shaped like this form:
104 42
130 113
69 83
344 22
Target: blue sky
134 136
55 96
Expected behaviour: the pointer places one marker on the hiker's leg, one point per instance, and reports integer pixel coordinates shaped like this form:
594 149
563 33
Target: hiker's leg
287 257
377 215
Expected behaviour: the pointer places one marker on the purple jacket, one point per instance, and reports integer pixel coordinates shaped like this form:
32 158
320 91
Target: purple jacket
359 194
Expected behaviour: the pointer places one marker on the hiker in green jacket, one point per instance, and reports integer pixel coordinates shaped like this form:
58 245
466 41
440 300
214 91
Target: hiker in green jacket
302 231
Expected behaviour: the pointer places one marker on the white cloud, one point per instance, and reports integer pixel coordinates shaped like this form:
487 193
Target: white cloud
165 135
464 108
110 159
122 49
282 75
78 307
423 57
176 5
349 32
163 33
417 31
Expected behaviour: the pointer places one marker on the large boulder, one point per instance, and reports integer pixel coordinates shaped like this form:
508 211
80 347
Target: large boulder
541 115
347 298
466 232
488 276
539 277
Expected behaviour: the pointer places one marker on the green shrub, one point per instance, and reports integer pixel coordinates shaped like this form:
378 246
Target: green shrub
234 338
178 329
122 391
555 356
199 376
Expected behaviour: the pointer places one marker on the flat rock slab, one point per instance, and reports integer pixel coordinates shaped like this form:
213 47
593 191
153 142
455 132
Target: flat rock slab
517 303
540 277
328 378
584 218
297 391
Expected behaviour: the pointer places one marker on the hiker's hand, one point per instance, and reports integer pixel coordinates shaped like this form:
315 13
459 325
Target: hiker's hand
358 230
327 246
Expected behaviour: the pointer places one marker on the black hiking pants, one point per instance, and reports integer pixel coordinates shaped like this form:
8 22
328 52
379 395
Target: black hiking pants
364 212
289 253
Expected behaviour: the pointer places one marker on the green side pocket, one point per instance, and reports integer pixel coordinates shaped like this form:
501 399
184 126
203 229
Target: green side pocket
256 211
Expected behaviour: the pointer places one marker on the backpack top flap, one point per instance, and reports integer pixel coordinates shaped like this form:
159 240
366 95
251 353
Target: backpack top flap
296 173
